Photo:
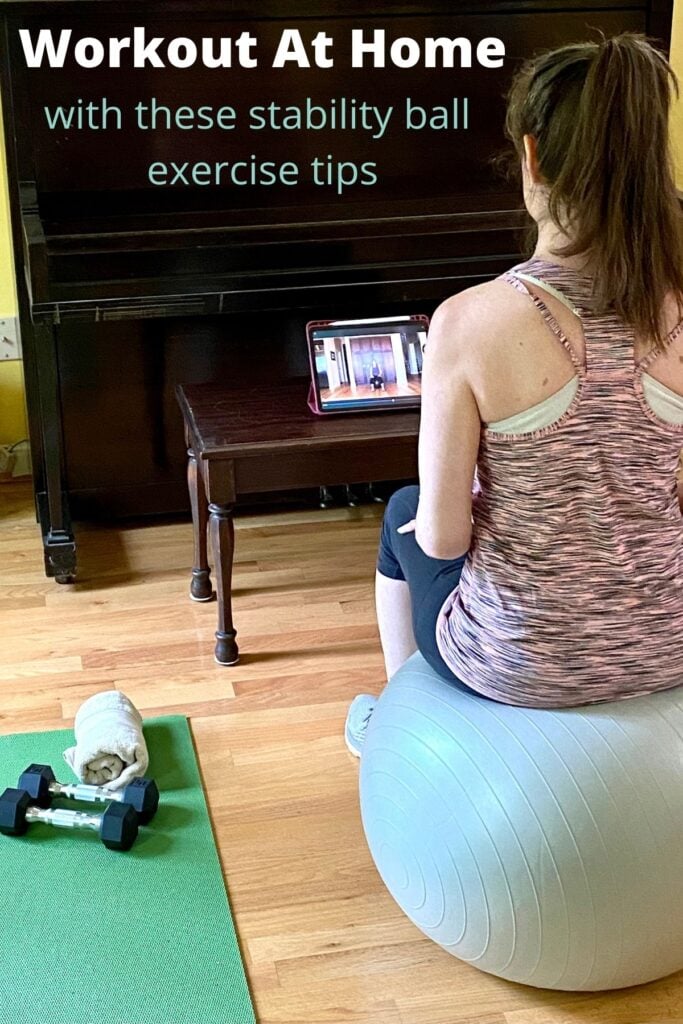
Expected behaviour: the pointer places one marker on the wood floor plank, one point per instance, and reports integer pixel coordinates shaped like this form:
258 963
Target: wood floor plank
323 942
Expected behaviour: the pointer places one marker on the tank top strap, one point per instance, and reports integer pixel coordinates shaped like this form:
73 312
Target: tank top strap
609 341
655 351
518 280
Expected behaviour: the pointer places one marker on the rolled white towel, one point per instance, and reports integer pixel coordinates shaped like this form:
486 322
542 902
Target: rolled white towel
110 747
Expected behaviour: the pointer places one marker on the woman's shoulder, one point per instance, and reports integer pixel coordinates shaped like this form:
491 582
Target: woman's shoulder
480 315
480 297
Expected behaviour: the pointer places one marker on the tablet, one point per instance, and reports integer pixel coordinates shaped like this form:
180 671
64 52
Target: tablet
366 365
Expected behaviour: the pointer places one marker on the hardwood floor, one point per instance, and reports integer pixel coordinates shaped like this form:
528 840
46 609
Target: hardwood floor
322 941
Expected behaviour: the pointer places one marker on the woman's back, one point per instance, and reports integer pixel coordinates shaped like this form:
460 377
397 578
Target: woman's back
573 587
522 365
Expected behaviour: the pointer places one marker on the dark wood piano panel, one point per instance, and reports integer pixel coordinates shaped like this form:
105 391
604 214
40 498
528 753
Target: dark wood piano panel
126 289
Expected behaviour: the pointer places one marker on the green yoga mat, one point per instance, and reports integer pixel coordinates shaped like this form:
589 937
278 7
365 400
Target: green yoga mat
95 936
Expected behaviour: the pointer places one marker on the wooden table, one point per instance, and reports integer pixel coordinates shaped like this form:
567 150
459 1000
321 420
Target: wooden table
258 439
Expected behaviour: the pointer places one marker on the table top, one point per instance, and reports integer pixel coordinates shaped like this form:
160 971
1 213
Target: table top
228 421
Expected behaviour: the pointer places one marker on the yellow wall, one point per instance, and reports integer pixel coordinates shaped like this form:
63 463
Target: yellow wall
12 413
13 425
677 113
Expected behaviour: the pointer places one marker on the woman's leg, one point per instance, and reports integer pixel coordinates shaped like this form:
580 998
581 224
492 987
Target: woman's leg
410 588
395 621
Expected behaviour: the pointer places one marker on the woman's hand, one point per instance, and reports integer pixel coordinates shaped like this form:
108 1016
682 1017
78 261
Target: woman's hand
407 527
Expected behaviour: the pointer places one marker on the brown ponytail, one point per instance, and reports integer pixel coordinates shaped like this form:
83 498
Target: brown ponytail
600 115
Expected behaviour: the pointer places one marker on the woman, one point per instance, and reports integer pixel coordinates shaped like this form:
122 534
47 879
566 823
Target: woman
558 579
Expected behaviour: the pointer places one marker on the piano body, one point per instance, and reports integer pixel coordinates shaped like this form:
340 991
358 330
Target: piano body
127 286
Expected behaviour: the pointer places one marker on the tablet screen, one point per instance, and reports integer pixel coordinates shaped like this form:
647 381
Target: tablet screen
367 364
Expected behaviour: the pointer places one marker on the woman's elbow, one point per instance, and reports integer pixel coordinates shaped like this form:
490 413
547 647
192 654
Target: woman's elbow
444 548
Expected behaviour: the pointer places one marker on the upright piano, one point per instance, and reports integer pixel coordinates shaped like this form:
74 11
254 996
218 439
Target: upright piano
131 279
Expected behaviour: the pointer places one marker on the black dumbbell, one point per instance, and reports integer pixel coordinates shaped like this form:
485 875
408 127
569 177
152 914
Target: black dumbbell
117 827
39 782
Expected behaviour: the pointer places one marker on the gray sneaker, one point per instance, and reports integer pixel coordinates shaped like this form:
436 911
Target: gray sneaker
357 719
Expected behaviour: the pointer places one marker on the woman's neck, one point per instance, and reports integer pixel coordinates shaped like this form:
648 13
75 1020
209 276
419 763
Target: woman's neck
550 238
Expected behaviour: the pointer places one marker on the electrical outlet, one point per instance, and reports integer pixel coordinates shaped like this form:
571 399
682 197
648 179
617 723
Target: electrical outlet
10 342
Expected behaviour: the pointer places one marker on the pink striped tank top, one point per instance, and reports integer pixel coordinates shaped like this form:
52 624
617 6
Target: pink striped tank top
572 590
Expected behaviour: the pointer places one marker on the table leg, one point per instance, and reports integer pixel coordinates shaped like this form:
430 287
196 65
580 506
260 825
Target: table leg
59 546
223 547
200 588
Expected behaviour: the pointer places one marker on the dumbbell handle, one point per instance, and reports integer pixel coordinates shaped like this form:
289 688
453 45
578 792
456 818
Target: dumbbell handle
81 791
61 818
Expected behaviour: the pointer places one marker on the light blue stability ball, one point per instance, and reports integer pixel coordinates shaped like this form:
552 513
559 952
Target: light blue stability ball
543 846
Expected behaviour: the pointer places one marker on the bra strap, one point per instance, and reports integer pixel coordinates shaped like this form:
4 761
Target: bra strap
560 296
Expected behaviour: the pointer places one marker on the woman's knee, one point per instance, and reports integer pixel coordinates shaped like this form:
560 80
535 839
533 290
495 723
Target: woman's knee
402 506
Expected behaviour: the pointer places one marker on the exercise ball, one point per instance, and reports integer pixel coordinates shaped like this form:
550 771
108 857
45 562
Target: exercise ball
544 846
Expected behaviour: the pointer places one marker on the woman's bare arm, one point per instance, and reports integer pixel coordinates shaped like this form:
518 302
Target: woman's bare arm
449 434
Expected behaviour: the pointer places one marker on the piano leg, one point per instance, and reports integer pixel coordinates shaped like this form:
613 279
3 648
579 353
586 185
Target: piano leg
59 546
223 547
326 498
352 499
200 588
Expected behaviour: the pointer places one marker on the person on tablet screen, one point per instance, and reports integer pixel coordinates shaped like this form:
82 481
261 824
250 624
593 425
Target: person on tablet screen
558 580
